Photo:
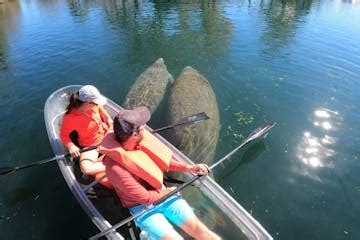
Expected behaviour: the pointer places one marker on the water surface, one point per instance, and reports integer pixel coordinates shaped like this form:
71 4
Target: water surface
293 62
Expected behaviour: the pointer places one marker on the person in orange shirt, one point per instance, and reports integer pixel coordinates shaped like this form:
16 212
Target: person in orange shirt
85 124
128 172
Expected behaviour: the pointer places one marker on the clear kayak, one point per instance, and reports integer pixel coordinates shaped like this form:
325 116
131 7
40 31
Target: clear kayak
211 203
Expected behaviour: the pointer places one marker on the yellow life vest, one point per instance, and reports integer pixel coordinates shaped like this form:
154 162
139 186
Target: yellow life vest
148 161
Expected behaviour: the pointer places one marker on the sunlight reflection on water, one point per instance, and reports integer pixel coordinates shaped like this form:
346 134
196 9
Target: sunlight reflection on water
315 148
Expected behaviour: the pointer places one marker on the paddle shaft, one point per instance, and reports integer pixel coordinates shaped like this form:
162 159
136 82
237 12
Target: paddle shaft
166 127
187 120
151 206
229 154
52 159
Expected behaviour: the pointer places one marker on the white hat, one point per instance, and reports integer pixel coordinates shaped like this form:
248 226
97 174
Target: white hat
89 93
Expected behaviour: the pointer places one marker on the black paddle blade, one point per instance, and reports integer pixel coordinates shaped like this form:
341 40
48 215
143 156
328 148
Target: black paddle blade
261 131
6 170
257 133
185 121
194 118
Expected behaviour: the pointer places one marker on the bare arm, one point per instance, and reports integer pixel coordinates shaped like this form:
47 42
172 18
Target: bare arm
196 169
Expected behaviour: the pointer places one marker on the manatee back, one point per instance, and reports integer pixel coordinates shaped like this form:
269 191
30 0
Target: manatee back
150 87
191 94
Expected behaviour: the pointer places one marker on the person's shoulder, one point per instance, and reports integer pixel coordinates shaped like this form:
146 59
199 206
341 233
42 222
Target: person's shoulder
72 114
101 108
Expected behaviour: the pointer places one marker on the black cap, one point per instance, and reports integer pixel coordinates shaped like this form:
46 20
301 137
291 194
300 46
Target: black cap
129 121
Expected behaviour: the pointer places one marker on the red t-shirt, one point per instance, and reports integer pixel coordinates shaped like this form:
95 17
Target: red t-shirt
132 190
90 126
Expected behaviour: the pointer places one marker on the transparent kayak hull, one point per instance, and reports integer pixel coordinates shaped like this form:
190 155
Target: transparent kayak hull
214 206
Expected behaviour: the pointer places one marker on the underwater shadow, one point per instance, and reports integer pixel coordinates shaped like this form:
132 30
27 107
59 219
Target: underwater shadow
250 155
18 195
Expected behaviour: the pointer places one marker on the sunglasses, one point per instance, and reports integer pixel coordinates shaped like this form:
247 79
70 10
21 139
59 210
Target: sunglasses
138 130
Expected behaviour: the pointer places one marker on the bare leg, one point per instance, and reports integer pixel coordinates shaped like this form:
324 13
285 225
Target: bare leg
89 163
172 235
195 228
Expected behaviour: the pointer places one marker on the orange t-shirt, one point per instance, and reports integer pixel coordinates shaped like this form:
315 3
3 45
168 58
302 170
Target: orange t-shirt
132 190
90 126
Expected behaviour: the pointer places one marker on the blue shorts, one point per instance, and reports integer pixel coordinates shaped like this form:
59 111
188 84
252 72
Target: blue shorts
155 221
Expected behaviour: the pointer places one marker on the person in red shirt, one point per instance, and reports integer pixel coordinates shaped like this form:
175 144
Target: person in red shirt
85 123
135 193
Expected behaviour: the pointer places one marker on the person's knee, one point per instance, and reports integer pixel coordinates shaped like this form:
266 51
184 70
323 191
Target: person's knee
86 166
87 162
195 228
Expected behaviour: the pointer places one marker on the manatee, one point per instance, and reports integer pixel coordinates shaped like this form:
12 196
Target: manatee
150 87
191 94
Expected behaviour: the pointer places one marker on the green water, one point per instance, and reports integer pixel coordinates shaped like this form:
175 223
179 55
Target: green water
293 62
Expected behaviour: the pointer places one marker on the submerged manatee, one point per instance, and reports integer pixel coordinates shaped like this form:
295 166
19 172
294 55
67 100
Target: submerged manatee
191 94
149 88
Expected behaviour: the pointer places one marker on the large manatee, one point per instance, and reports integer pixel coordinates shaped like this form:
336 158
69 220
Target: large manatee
190 94
149 88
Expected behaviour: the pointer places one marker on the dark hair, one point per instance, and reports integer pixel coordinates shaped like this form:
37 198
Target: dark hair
122 134
74 102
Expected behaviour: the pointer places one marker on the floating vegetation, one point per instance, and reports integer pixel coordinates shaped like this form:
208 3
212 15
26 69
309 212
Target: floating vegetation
238 135
222 165
241 119
229 130
232 132
227 108
244 118
257 107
